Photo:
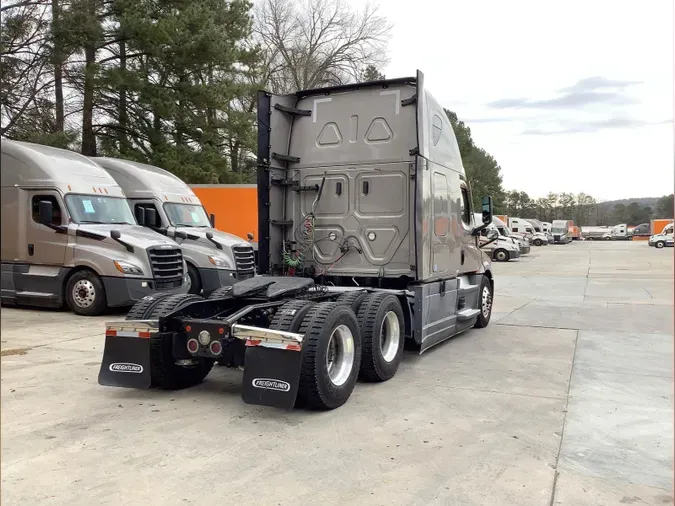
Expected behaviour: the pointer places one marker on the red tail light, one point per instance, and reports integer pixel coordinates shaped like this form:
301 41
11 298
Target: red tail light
193 345
216 348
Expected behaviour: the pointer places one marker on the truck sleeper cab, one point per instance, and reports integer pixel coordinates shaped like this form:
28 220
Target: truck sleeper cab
521 242
163 202
366 238
68 235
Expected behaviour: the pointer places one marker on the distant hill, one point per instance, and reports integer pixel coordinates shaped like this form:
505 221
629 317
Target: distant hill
641 201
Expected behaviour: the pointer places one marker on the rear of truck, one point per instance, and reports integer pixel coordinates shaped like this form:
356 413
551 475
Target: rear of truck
349 253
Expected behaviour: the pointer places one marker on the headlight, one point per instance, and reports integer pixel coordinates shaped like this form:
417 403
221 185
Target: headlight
219 262
127 268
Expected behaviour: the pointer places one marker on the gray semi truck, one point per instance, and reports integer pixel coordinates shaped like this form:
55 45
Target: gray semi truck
163 202
69 236
366 238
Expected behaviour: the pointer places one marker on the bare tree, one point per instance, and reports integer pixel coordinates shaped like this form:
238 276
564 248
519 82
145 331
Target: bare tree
313 43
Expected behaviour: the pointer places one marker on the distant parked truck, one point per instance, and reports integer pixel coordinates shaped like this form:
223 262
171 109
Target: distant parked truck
529 230
68 235
594 233
641 232
561 231
657 226
663 238
519 240
618 233
163 202
575 232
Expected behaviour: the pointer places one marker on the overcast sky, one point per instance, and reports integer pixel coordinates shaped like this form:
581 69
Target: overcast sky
568 96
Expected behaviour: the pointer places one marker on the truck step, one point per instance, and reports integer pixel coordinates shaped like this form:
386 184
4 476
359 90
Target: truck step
467 314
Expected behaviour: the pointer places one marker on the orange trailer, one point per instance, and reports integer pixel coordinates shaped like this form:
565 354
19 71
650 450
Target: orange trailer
235 207
659 224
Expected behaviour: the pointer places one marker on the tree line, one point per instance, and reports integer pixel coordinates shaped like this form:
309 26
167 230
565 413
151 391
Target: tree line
172 83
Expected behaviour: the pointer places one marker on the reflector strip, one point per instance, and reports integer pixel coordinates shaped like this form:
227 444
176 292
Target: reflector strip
117 333
278 346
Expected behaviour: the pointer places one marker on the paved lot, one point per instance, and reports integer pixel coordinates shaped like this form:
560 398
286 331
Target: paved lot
566 399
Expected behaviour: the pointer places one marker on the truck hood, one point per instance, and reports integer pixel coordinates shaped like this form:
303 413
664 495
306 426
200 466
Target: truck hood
223 238
134 235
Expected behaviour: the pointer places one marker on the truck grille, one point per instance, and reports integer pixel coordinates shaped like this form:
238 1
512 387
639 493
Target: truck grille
244 259
167 267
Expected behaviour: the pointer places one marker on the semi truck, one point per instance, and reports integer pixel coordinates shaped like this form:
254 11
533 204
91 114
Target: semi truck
69 236
163 202
539 227
522 243
366 238
663 238
561 231
529 230
501 248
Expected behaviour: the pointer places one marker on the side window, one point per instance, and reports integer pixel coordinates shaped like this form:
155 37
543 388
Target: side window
466 206
35 208
441 202
140 208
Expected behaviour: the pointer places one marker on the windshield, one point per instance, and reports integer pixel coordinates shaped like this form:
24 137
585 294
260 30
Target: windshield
187 215
559 230
502 231
99 209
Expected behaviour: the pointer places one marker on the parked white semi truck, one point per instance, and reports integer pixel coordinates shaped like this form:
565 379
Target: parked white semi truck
662 239
380 247
164 203
69 236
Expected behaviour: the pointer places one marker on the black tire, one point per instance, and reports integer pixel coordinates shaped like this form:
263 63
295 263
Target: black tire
659 244
85 294
381 318
538 242
352 299
501 255
164 372
316 389
145 305
485 310
290 316
195 280
220 293
590 239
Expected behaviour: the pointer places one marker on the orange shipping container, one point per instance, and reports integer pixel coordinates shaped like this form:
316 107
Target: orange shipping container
659 225
235 207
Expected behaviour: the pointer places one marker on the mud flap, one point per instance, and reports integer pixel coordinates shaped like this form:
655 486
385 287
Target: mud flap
126 362
271 377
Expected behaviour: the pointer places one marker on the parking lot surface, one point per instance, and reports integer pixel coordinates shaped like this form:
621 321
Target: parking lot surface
566 398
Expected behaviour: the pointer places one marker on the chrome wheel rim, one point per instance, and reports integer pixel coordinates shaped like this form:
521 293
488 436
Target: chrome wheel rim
486 302
390 336
84 293
340 355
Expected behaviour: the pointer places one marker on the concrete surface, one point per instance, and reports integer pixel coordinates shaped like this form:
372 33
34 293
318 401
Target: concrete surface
566 398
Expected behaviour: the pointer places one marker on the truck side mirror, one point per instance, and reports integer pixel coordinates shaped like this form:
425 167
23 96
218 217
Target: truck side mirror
45 212
140 215
150 217
212 219
492 234
486 205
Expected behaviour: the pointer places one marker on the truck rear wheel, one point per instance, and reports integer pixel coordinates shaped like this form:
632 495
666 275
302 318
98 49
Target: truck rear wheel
290 316
352 299
484 303
220 293
85 294
501 255
382 329
538 242
331 355
145 305
165 372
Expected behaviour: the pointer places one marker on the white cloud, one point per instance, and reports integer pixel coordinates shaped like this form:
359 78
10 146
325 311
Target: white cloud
593 81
